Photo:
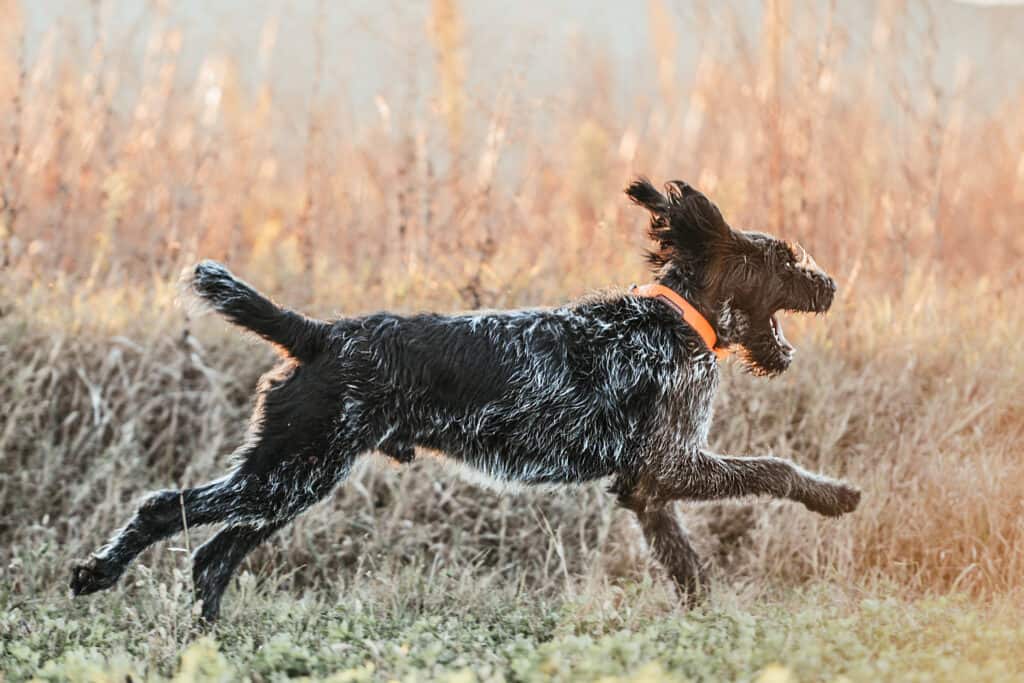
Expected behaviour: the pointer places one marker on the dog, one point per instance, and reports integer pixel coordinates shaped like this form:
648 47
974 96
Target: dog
617 386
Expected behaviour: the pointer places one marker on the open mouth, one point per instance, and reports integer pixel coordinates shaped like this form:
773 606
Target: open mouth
779 337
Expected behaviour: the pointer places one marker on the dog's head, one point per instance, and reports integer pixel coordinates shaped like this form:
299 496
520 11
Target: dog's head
738 280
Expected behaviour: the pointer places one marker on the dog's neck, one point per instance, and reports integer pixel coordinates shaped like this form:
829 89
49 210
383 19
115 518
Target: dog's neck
728 322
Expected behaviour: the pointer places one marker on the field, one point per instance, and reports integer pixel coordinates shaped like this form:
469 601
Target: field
468 185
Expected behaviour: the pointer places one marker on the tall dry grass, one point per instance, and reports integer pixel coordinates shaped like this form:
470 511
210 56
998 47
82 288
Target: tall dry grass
908 193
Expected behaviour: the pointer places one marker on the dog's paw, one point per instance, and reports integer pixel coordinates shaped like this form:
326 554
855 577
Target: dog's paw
91 576
832 499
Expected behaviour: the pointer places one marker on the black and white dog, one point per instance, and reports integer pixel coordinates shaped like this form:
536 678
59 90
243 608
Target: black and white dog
616 386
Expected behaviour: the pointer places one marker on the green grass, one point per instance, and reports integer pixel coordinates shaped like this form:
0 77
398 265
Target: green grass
272 634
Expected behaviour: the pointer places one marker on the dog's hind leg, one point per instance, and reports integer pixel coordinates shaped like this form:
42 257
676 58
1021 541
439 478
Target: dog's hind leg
159 515
216 560
289 490
264 501
668 543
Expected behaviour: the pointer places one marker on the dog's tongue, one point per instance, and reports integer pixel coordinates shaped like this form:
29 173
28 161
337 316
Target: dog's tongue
779 336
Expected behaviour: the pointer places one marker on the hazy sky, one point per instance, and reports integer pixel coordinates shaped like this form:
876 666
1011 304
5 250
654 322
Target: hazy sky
370 45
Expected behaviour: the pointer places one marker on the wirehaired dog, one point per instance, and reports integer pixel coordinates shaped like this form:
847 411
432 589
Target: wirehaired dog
617 386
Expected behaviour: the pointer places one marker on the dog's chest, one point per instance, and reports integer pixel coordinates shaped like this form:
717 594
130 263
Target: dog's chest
687 410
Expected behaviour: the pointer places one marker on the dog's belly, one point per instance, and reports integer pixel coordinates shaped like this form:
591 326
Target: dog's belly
550 469
526 463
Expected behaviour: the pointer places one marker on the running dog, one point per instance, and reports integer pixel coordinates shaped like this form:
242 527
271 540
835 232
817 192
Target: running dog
617 386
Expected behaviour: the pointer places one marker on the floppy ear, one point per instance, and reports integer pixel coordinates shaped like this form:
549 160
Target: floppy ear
642 192
683 223
695 210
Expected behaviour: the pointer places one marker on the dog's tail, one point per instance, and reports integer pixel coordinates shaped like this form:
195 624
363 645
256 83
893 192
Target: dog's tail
294 334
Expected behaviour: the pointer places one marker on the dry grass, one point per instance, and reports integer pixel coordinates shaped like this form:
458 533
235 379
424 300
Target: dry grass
913 198
100 410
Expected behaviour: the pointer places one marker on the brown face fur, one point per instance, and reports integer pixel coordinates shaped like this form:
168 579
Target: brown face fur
738 280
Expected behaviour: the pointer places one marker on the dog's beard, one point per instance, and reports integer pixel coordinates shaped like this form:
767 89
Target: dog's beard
766 351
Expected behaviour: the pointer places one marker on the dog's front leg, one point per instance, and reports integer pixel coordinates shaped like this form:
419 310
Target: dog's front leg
708 476
668 543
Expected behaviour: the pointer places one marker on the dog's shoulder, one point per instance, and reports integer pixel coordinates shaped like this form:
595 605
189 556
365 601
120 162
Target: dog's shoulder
630 320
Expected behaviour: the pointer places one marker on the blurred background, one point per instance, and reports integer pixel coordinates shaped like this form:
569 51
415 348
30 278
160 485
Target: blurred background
424 140
347 157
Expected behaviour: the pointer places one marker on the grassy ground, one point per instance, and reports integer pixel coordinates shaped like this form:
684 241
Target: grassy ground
352 635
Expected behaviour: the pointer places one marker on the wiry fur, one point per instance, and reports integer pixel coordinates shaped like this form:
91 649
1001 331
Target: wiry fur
616 386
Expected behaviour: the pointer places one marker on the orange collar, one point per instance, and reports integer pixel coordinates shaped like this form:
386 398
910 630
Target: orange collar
686 310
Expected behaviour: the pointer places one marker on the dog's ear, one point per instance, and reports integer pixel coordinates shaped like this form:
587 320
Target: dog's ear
683 221
694 211
642 192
